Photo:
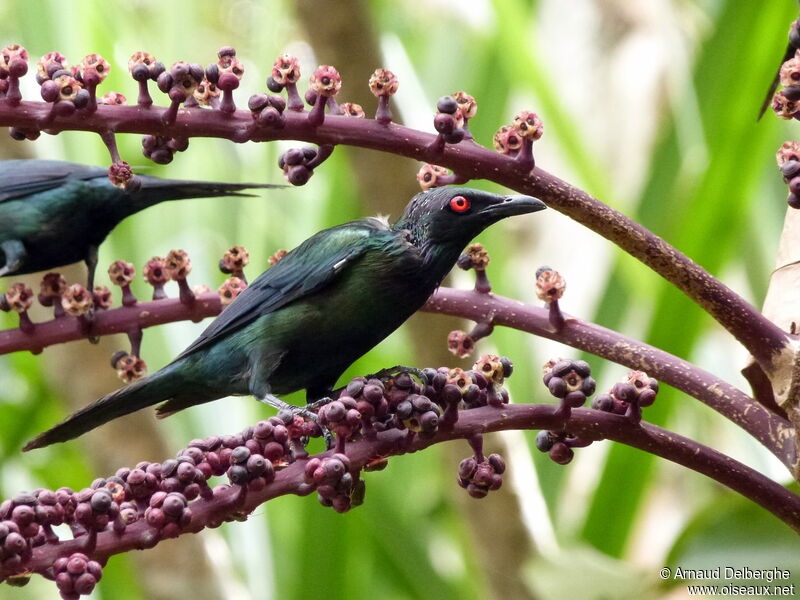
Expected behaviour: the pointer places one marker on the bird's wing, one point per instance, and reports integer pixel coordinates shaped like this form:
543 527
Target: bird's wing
309 267
20 178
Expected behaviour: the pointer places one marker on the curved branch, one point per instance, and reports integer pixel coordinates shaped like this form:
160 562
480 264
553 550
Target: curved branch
588 424
774 432
762 338
108 322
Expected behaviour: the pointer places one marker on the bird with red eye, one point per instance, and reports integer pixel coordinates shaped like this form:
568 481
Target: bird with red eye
459 204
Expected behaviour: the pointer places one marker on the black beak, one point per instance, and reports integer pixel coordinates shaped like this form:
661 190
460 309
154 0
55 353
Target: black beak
508 206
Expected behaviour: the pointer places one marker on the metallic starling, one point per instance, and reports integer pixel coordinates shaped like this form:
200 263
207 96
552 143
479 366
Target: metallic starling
55 213
305 320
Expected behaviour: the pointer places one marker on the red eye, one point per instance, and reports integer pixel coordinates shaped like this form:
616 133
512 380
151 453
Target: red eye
459 204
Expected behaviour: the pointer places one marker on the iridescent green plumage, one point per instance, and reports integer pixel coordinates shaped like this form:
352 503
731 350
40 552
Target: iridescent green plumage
55 213
305 320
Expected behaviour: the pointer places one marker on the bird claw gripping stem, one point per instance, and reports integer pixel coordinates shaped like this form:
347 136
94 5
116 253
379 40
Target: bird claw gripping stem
392 372
288 412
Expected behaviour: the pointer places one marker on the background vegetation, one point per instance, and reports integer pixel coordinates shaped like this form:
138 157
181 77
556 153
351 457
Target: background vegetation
649 105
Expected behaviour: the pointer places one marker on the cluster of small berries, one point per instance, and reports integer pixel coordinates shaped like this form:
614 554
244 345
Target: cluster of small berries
559 445
336 484
76 301
157 498
481 477
516 140
298 164
570 381
628 397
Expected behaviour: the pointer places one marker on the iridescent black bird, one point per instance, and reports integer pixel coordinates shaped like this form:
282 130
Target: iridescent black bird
305 320
55 213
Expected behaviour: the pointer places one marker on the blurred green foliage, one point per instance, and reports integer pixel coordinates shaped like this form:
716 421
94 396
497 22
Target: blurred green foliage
707 183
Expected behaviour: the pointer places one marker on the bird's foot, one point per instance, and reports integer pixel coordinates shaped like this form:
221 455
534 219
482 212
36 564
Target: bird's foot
303 411
398 369
317 404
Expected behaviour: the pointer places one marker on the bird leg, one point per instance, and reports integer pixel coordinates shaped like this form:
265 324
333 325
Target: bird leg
91 266
397 369
282 405
303 411
15 255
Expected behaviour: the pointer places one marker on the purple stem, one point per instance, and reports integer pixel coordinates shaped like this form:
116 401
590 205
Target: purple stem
158 291
481 330
58 310
467 132
295 102
323 153
586 424
452 179
135 338
128 299
383 114
773 431
562 412
13 94
227 105
316 116
555 315
482 283
333 106
144 100
761 388
524 157
185 295
476 443
25 324
110 140
108 322
436 148
168 116
91 106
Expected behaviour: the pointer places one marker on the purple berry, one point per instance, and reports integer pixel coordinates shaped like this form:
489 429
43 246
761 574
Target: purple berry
447 104
561 453
544 441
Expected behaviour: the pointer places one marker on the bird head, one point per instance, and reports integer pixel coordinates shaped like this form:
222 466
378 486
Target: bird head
452 216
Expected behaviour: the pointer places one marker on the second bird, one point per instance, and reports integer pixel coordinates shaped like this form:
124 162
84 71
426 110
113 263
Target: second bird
54 213
305 320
